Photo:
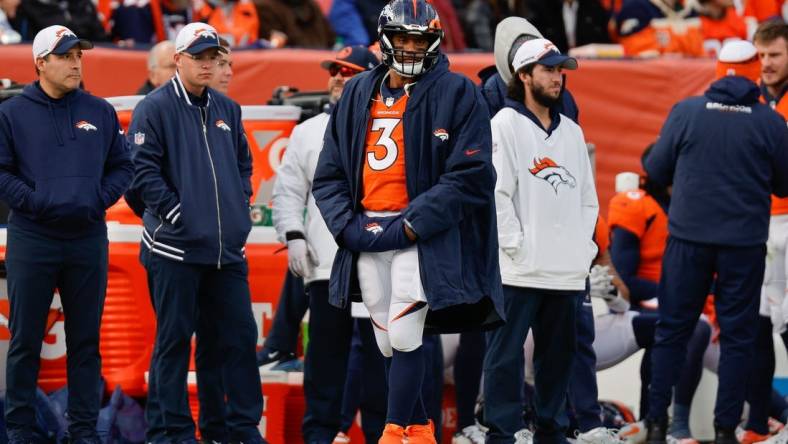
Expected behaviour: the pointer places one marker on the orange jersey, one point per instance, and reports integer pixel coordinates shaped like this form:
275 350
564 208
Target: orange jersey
763 10
715 32
780 204
665 36
648 28
384 166
601 235
639 213
241 28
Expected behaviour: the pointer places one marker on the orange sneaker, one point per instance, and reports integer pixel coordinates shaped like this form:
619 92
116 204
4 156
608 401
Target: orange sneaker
392 434
421 433
750 437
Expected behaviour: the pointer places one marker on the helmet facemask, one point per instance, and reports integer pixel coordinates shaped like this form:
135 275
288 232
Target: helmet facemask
410 63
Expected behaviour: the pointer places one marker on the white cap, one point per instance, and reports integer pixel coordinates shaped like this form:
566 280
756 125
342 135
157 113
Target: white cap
627 181
195 38
737 51
543 52
56 39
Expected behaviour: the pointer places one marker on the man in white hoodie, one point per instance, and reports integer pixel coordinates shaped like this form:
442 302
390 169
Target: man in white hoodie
547 209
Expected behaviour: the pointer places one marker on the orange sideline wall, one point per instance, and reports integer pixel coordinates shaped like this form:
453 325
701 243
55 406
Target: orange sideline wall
622 102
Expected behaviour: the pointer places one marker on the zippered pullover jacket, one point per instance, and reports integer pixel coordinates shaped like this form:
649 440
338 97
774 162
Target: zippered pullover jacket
192 170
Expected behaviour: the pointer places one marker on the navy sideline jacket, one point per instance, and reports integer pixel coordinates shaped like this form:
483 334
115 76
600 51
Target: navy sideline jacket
450 183
192 171
724 153
62 162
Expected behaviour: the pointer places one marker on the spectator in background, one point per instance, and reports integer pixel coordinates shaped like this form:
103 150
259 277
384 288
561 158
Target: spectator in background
148 22
161 66
476 17
719 22
356 21
301 21
224 73
8 34
651 28
80 16
570 23
235 20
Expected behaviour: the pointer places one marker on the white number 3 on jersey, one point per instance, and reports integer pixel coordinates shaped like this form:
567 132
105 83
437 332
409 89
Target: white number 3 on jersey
387 126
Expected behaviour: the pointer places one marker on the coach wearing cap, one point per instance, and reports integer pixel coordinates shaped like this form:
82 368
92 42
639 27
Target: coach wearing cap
723 153
63 161
192 170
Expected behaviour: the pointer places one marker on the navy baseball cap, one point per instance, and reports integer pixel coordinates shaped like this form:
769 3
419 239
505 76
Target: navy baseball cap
543 52
356 57
56 39
195 38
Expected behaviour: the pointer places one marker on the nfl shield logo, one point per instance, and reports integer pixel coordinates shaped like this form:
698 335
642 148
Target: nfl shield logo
139 138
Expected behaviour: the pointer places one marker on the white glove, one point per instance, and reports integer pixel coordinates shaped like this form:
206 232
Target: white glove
782 317
617 304
602 287
300 258
601 282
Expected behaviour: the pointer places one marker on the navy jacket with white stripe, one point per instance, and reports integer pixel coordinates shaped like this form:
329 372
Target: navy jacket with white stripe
192 170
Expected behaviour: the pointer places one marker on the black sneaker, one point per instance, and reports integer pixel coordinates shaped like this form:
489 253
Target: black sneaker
657 430
724 435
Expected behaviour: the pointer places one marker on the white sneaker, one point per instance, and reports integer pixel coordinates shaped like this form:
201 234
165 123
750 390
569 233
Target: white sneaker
524 436
670 439
599 435
473 434
779 438
341 438
775 426
633 433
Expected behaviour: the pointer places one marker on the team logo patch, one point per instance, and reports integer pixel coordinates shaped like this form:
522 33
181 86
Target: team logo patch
634 195
85 125
441 134
374 228
220 124
139 138
554 174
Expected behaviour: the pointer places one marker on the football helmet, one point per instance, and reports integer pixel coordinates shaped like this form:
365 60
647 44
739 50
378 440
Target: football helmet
413 17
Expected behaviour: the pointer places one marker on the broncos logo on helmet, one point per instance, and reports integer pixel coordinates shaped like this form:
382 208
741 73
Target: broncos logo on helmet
413 17
546 169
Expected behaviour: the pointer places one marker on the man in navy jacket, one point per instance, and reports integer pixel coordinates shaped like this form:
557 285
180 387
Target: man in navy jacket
447 224
63 161
723 153
192 171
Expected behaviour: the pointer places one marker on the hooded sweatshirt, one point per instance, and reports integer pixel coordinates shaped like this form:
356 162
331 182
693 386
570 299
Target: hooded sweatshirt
724 153
62 162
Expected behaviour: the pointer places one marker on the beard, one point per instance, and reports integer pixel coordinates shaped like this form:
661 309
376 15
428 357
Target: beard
543 98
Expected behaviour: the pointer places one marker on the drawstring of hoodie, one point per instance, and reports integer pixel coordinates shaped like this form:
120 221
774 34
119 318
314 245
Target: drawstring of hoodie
54 122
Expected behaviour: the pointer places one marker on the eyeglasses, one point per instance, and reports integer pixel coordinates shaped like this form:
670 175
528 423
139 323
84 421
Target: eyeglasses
204 58
344 71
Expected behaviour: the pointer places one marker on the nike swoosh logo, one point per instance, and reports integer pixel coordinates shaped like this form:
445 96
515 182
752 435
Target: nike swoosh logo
272 355
471 152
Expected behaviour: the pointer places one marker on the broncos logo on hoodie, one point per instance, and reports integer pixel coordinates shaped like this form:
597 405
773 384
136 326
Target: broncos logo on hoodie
546 169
